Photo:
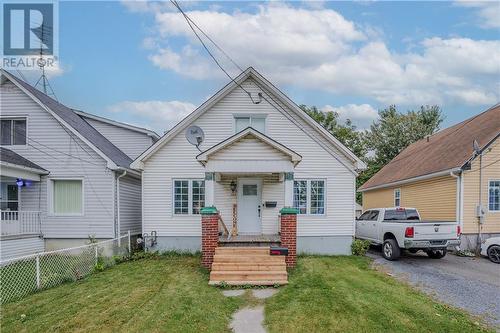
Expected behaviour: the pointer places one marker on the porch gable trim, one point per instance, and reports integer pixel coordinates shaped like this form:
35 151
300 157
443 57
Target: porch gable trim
204 156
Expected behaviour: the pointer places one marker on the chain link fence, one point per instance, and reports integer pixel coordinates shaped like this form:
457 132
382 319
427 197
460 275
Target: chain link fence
25 275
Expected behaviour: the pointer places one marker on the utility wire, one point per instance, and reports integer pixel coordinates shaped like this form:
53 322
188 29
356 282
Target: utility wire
189 20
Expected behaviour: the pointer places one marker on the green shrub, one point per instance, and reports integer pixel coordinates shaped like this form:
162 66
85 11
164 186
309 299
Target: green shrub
359 247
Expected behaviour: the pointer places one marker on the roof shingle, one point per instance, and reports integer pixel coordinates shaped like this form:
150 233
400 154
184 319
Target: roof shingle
8 156
447 149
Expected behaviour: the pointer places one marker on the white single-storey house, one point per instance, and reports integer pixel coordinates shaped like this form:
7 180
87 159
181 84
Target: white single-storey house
64 174
260 153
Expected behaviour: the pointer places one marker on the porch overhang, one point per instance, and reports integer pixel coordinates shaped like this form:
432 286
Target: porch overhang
19 171
249 151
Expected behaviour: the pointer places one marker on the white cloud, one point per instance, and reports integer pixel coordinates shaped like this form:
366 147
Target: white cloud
487 11
320 49
158 115
361 115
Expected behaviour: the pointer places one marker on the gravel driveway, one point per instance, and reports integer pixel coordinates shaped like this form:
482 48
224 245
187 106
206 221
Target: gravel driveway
472 284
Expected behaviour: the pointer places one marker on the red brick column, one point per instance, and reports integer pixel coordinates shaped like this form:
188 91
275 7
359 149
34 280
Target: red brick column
209 235
288 222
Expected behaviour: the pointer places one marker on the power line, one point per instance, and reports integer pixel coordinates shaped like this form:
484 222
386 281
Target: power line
189 20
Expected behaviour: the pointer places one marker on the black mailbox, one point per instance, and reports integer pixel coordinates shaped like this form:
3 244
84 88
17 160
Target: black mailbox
278 251
270 204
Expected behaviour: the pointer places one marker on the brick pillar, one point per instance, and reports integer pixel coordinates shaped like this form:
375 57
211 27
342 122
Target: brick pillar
288 223
209 235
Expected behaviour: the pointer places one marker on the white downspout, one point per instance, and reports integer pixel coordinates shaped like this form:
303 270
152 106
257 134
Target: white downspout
118 203
459 198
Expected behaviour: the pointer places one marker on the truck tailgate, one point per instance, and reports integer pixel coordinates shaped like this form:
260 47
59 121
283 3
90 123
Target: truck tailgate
435 230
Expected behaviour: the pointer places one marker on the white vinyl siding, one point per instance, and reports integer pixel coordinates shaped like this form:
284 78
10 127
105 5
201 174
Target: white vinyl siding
68 157
189 196
176 160
13 248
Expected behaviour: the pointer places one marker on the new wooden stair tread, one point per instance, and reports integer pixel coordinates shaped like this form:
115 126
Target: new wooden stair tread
247 266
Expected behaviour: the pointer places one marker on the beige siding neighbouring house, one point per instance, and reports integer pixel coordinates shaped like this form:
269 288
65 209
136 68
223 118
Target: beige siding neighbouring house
490 171
434 198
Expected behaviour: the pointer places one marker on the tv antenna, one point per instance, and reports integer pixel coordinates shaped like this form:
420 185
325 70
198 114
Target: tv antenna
195 136
43 81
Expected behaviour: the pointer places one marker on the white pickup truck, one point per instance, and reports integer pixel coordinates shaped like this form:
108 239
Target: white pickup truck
401 228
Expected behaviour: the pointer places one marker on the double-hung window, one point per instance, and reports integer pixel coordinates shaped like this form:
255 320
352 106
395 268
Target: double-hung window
66 196
13 131
256 122
9 196
397 197
494 196
309 196
189 196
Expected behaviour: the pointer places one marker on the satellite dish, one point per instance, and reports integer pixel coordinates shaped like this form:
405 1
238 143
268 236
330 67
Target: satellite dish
195 136
475 146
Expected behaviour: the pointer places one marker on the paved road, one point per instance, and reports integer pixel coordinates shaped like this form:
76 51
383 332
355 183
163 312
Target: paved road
472 284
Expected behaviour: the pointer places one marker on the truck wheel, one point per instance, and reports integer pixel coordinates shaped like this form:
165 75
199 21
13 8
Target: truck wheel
494 253
436 254
390 249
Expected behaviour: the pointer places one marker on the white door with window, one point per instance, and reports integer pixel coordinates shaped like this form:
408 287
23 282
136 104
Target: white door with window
249 206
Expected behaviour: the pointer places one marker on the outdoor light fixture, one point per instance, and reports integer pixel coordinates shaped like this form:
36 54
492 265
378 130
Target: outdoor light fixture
233 186
19 182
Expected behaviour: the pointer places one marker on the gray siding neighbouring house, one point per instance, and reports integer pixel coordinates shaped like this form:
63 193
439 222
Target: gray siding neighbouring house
131 142
130 205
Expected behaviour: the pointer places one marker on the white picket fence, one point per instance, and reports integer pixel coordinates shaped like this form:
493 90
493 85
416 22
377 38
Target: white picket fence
24 275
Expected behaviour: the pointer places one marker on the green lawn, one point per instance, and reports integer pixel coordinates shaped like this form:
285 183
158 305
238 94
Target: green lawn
171 294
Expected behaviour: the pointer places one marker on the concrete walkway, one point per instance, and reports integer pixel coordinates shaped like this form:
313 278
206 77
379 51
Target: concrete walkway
249 320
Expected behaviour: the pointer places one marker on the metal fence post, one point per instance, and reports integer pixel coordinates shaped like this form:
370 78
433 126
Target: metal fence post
37 260
96 255
129 245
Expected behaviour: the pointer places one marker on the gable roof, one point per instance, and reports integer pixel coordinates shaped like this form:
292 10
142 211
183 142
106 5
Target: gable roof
143 130
261 82
443 151
68 118
10 157
249 131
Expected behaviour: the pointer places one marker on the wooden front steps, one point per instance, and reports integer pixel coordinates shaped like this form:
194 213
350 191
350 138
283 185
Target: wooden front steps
247 266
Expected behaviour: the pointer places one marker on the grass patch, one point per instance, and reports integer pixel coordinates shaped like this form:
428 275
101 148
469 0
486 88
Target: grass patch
343 294
163 294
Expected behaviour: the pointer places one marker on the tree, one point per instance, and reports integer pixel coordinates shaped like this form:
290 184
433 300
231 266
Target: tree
345 133
386 138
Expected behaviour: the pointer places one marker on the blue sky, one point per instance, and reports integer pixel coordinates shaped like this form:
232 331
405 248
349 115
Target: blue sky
138 62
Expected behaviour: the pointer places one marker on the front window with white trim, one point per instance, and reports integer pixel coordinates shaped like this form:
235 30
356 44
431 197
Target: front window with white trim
309 196
494 196
256 122
189 196
13 131
397 197
67 196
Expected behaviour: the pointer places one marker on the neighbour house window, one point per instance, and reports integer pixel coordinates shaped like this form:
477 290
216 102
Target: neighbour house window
67 196
309 196
397 197
256 122
13 132
189 196
9 197
494 196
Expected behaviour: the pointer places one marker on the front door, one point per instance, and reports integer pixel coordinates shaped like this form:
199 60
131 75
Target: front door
249 205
